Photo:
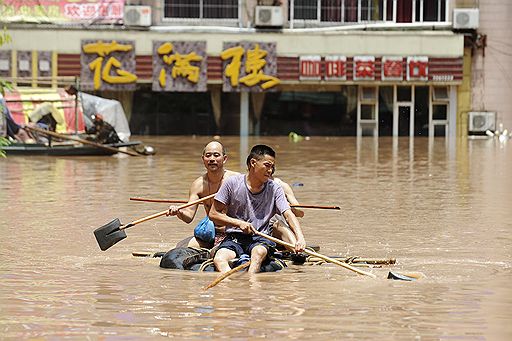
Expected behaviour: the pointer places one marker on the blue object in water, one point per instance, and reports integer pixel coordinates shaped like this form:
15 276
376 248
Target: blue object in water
205 230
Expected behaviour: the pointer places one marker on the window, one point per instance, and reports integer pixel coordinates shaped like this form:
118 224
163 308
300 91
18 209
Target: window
367 112
331 10
430 10
440 94
439 112
351 10
368 93
201 9
403 94
347 11
305 9
372 10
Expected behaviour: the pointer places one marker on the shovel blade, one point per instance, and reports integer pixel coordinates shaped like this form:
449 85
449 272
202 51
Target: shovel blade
109 234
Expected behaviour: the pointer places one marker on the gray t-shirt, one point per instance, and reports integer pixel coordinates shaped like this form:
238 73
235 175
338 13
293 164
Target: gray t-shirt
256 209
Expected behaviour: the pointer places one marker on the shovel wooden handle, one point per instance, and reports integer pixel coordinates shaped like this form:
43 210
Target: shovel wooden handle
159 214
159 200
170 201
226 274
315 254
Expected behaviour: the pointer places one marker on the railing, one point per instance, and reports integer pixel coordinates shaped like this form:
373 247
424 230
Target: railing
310 13
201 11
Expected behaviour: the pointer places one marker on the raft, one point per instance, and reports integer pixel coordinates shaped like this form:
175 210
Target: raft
187 258
194 259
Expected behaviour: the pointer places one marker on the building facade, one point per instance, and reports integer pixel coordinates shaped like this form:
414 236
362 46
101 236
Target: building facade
315 67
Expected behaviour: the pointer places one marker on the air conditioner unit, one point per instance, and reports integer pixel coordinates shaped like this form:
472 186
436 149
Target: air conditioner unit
137 15
268 16
465 18
481 121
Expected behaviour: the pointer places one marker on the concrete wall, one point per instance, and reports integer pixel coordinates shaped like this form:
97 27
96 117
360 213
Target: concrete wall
492 74
405 43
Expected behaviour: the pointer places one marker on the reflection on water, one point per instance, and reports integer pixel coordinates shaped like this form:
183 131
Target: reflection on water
440 207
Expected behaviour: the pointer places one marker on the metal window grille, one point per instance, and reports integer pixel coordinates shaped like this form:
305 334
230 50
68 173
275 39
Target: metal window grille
342 11
201 9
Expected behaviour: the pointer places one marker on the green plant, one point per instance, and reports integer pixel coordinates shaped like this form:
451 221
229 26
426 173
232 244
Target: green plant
4 39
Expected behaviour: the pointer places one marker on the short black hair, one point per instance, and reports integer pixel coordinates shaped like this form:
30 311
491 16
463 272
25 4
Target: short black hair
259 151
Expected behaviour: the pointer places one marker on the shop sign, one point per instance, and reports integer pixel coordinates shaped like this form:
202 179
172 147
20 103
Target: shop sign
417 68
249 66
62 11
392 69
108 65
364 68
309 67
335 68
179 66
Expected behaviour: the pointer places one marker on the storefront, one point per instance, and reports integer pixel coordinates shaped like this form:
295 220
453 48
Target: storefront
348 83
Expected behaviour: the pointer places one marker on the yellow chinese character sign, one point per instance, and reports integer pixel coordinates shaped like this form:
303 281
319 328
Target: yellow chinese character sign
249 66
179 66
108 65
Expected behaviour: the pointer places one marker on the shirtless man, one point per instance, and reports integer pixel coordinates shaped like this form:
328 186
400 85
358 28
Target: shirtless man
247 202
214 157
280 228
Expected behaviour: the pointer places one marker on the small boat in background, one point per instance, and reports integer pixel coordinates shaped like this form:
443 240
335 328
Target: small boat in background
68 149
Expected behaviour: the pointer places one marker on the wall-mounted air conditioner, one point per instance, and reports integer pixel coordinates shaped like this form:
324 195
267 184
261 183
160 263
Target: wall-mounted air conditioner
137 15
465 18
269 16
481 121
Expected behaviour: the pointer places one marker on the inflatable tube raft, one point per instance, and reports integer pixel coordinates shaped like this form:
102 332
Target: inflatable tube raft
187 258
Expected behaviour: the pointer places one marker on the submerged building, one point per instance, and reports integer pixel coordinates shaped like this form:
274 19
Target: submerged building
314 67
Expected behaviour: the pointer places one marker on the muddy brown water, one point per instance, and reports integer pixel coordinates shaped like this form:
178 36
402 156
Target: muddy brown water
442 208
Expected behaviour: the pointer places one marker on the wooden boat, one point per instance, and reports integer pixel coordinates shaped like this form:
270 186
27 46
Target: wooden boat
64 149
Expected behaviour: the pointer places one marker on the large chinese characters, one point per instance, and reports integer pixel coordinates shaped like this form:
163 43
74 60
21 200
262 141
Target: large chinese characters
249 66
108 65
179 66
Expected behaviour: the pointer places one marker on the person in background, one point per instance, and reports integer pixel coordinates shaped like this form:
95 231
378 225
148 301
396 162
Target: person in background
13 130
280 228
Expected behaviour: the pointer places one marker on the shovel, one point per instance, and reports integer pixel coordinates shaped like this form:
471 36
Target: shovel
113 232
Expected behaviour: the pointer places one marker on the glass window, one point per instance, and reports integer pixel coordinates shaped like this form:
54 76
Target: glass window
368 93
305 9
439 112
440 93
433 10
351 10
181 8
367 111
331 10
404 11
210 9
372 10
403 94
219 9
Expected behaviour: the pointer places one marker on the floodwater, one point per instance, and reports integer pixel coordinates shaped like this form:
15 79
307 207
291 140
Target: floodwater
442 208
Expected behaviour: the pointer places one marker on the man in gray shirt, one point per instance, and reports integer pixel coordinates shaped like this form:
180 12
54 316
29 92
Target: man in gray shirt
247 202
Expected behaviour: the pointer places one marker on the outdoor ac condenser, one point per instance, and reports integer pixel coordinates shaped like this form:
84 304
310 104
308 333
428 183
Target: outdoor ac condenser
465 18
481 121
269 16
137 15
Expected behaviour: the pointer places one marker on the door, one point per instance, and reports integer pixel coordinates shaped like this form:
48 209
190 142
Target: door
405 120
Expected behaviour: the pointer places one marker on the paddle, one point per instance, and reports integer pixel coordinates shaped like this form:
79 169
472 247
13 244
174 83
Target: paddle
315 254
226 274
113 232
77 139
183 201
